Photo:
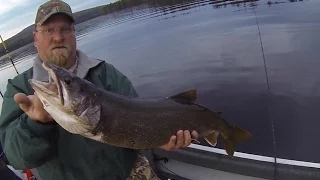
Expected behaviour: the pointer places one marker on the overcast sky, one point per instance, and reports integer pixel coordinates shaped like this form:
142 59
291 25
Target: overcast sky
15 15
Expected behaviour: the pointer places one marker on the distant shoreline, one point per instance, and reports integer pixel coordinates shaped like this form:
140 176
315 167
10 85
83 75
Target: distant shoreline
25 36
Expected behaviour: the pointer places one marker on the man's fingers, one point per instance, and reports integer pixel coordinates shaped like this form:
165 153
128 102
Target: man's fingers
23 101
194 135
180 139
21 98
187 138
171 144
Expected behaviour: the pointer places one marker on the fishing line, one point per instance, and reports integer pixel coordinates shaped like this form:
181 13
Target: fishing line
268 99
10 57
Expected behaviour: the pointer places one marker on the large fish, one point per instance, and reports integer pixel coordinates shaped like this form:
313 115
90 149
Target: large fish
81 107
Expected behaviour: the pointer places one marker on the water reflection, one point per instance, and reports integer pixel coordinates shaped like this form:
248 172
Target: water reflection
166 47
129 10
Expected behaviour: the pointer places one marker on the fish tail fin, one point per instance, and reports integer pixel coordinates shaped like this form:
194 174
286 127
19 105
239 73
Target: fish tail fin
237 135
212 138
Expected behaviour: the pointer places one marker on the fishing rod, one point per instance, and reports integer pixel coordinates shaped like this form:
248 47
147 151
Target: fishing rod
268 105
9 56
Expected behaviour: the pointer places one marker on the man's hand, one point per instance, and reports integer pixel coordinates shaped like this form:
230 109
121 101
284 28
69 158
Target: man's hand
33 107
181 140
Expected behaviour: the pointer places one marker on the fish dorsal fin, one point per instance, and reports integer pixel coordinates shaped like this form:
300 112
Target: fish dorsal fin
186 97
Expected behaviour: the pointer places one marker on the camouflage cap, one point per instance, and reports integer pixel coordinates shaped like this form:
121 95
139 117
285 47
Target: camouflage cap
50 8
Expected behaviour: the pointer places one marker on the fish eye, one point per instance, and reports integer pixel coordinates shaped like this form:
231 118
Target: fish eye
67 80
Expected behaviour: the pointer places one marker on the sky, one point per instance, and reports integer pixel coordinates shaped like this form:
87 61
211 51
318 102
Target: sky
15 15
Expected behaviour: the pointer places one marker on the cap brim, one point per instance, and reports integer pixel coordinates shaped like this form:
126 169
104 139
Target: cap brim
51 14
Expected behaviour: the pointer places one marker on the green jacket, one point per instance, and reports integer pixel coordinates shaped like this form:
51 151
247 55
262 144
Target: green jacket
55 153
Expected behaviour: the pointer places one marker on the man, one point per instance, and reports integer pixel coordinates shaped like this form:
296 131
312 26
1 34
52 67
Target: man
29 135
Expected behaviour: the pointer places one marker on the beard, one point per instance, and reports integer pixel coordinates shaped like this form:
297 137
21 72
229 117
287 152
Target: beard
59 56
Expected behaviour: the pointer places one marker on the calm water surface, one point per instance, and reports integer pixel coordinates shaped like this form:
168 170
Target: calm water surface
215 48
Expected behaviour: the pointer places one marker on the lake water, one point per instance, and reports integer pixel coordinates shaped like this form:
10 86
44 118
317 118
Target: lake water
214 46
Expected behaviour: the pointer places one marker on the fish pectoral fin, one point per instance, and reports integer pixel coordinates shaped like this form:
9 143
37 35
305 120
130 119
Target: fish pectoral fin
186 97
212 138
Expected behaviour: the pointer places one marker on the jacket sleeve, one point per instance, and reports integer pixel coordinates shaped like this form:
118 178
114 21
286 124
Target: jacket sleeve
26 143
122 84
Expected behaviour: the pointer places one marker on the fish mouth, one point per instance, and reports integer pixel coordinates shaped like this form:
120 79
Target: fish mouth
53 88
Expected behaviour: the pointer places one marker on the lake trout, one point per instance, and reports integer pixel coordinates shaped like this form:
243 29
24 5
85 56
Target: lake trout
82 108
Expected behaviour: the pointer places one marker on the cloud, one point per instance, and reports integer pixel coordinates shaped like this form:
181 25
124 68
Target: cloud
18 15
12 32
16 24
7 5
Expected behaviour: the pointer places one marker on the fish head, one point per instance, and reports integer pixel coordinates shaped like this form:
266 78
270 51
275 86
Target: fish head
69 99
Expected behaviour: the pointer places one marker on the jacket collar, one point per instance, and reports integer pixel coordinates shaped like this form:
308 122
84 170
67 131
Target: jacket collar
84 64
